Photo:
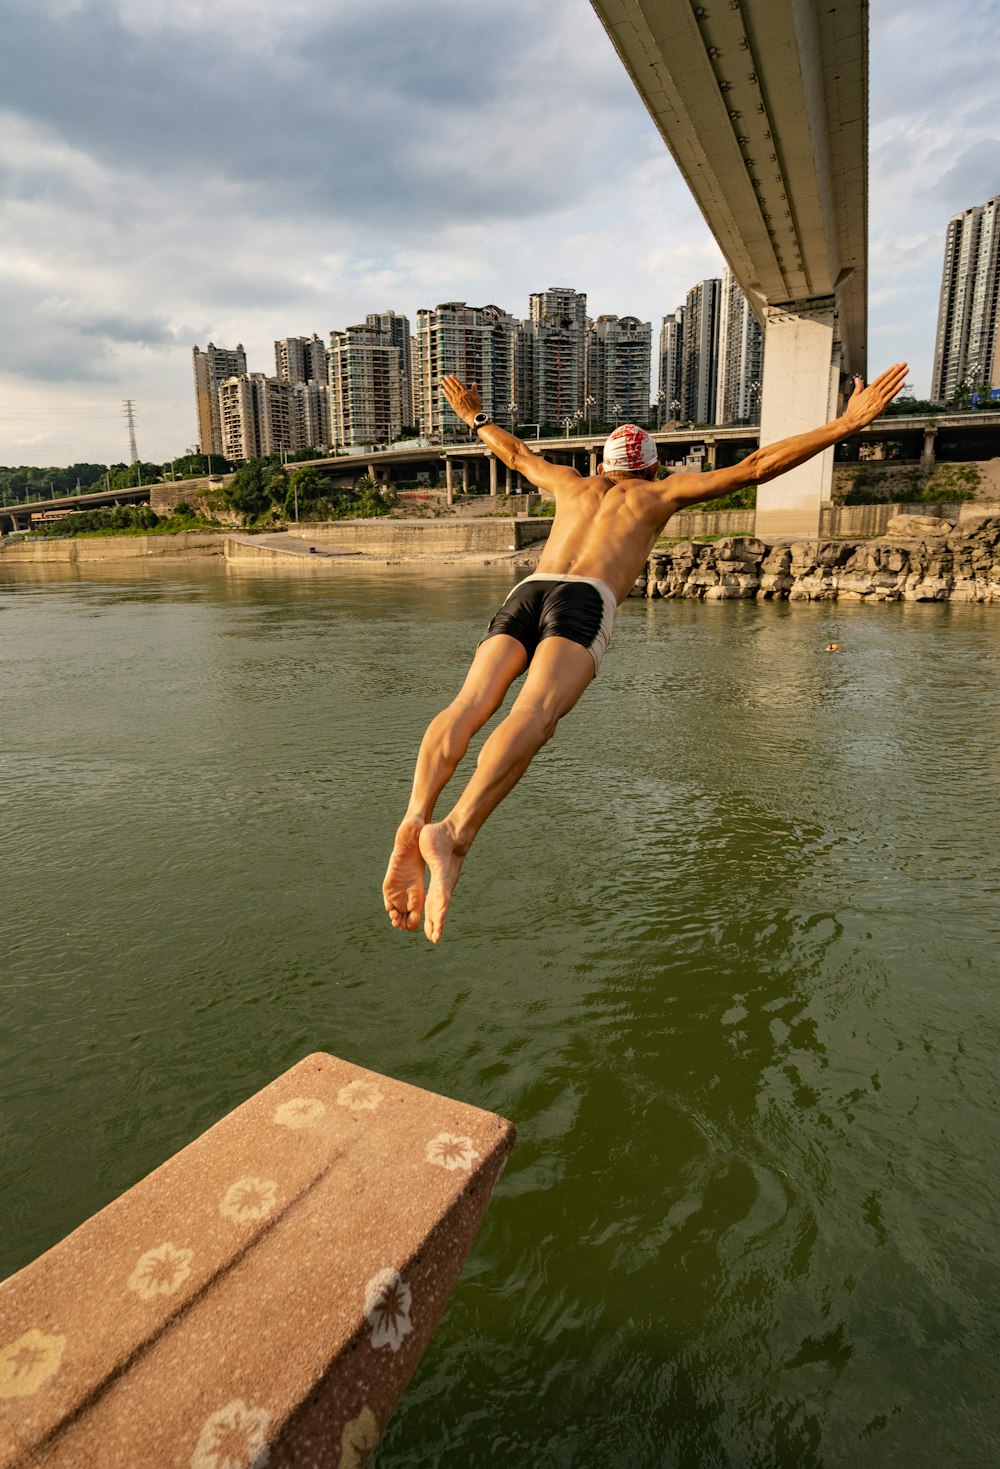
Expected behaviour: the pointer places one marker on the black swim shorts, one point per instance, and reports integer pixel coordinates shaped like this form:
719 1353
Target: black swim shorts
550 605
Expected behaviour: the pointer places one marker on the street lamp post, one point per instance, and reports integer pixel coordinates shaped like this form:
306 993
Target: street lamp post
617 410
590 404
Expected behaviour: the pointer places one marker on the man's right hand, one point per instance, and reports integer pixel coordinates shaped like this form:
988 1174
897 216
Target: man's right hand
466 402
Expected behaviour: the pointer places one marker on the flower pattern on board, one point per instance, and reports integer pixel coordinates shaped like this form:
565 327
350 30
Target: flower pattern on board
234 1437
358 1440
299 1112
248 1199
451 1151
29 1362
161 1271
360 1096
387 1309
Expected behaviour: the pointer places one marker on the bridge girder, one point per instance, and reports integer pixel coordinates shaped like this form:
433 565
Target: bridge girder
764 107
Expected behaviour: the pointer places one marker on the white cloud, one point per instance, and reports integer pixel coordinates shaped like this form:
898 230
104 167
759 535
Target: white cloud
244 171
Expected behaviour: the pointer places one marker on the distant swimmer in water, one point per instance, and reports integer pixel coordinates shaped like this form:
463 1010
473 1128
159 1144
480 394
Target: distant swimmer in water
832 648
556 624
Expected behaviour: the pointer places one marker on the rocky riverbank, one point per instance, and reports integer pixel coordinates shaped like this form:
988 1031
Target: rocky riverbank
918 559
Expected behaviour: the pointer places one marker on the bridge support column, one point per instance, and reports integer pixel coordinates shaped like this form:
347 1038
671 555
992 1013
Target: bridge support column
465 476
927 452
593 462
508 482
493 475
710 454
801 382
449 482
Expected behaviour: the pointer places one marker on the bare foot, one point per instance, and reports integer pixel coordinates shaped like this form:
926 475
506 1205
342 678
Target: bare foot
437 847
403 886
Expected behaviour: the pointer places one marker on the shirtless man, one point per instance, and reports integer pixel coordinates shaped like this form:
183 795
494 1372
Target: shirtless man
557 624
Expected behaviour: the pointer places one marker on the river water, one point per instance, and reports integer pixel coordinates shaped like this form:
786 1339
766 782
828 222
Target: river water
727 957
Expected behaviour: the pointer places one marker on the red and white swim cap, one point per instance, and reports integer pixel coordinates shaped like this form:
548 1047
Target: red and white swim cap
629 447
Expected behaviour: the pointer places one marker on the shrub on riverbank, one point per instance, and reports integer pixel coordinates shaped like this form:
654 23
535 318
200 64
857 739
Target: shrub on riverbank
124 520
264 493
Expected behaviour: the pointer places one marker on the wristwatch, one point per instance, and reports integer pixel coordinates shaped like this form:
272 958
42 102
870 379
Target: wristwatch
480 421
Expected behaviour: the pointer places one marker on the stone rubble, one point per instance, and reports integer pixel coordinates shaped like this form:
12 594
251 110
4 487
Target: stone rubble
919 559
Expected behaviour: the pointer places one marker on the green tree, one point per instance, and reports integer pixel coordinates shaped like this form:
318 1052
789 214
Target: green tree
256 488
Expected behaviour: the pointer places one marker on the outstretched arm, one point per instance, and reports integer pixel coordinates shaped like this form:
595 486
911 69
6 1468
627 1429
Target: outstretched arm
767 462
512 451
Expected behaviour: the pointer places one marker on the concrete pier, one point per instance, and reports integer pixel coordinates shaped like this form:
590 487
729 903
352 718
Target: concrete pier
264 1296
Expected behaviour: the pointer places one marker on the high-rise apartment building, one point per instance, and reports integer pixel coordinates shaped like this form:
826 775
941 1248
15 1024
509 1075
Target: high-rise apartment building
741 357
256 415
476 343
505 334
300 359
701 351
212 367
396 329
558 325
967 348
310 415
618 365
523 396
366 396
670 393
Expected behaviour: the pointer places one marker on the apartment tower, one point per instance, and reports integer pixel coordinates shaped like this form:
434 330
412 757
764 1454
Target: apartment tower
396 330
967 348
476 343
212 367
741 357
701 351
669 395
366 395
300 359
256 415
618 366
558 325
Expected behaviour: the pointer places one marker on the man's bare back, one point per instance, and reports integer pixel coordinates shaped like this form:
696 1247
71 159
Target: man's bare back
557 629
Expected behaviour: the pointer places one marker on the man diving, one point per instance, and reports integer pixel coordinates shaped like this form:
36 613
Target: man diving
556 624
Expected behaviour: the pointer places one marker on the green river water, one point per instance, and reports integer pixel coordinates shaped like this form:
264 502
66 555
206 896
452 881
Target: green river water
727 957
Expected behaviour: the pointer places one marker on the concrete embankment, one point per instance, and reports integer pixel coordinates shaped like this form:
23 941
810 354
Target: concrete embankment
452 536
84 550
390 542
918 559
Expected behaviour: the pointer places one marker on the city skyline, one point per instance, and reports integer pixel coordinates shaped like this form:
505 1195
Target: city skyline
558 367
128 243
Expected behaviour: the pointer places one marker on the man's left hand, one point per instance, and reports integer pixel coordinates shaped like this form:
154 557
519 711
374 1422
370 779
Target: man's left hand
465 401
865 404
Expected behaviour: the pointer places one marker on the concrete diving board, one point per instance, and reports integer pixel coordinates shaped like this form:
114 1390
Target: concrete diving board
264 1296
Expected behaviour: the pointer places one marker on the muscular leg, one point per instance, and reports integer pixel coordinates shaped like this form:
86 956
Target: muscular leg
559 673
498 661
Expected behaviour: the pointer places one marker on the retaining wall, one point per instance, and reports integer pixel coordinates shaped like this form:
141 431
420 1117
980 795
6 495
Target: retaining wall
83 549
426 538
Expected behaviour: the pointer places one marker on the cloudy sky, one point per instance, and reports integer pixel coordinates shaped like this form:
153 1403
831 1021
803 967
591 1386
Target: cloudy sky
247 170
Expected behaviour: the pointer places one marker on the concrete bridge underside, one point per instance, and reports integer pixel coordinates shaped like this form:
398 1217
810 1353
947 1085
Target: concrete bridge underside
764 106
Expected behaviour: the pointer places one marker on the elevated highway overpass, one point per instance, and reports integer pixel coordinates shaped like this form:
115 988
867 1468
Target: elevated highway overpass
470 465
19 517
764 107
